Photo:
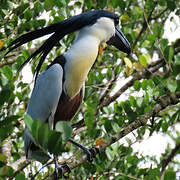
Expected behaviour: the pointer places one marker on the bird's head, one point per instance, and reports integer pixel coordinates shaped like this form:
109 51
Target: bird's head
106 29
103 24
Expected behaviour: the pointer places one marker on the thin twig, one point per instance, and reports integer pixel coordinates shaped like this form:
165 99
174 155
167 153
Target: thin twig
144 27
168 159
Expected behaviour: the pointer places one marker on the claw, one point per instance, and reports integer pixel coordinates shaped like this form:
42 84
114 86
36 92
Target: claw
89 155
66 166
58 173
97 150
94 151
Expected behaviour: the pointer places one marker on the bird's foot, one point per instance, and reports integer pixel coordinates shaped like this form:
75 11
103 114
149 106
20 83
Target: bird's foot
91 153
58 173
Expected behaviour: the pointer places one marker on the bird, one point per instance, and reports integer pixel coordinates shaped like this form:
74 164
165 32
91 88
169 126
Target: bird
59 90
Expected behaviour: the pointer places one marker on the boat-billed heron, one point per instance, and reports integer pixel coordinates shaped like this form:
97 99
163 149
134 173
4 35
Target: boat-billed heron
58 91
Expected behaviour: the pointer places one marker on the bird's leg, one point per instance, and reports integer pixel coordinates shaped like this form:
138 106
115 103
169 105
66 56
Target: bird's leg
59 168
91 153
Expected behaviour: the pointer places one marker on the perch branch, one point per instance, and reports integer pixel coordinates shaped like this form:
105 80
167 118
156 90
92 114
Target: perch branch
162 103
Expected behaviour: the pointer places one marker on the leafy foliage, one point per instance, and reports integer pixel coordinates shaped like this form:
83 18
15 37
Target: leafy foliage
119 91
49 140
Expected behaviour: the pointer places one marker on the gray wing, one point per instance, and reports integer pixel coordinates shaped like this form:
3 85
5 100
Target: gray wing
44 100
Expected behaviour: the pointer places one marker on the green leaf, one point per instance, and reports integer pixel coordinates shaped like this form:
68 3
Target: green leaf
170 175
169 53
165 126
6 171
6 131
41 22
20 9
110 154
146 43
25 53
3 158
65 128
152 174
171 5
60 4
133 160
139 101
8 72
89 116
4 96
20 176
172 86
144 84
114 3
144 59
28 121
19 96
137 85
162 2
107 110
151 38
88 4
107 125
55 142
48 5
177 59
35 128
28 14
37 7
115 127
132 101
40 156
164 44
43 133
101 3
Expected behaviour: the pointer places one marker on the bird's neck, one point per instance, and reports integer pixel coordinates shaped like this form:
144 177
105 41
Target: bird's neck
80 58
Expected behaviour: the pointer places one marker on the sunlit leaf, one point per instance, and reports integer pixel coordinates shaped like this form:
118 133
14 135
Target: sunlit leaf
144 59
1 44
128 62
129 70
138 66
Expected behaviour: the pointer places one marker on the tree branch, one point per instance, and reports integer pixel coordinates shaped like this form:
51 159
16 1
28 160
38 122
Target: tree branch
19 165
8 61
168 159
160 14
6 149
139 75
162 103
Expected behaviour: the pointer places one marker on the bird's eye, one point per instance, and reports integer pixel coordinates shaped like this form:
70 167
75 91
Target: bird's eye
116 21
